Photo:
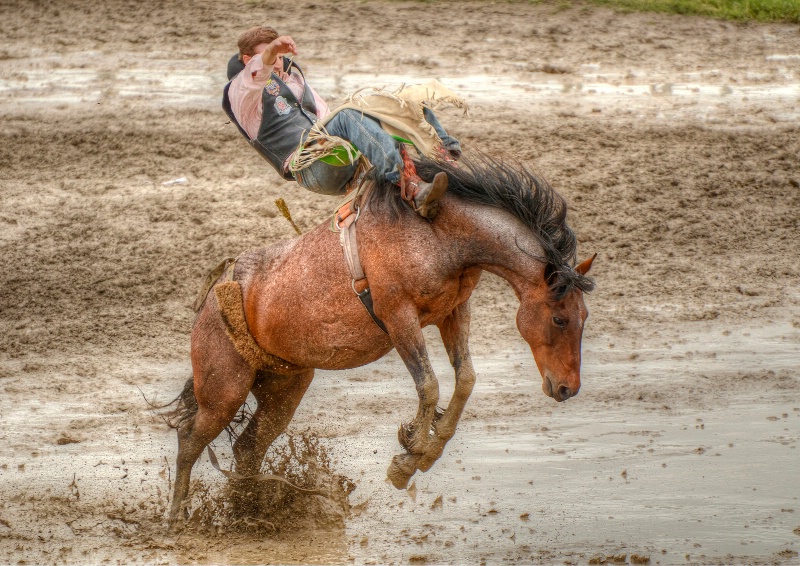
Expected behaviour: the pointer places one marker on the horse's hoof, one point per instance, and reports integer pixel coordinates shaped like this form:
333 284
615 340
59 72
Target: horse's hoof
175 524
401 469
426 462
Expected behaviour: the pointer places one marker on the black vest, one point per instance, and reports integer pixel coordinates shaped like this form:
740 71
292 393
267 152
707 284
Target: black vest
284 119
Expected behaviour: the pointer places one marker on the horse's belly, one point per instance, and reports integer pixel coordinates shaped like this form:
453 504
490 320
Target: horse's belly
328 346
333 331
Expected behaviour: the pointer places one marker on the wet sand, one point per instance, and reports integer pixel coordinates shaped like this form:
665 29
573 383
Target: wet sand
674 140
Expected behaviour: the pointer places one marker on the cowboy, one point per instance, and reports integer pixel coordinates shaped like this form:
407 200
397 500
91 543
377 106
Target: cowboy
275 108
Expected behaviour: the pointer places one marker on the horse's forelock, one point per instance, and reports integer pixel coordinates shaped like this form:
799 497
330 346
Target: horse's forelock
563 281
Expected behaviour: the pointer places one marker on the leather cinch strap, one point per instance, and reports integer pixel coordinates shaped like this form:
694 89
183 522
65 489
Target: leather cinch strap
345 222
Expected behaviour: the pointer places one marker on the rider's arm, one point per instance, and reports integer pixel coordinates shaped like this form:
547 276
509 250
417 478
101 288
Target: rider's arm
244 95
279 46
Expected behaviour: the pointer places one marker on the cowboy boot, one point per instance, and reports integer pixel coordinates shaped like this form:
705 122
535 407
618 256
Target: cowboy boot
424 197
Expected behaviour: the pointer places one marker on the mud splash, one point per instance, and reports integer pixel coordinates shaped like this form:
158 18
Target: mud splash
261 508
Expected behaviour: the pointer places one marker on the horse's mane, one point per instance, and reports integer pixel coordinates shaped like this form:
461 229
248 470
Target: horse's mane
482 179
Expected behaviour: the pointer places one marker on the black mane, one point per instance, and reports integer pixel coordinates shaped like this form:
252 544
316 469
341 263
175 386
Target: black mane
486 180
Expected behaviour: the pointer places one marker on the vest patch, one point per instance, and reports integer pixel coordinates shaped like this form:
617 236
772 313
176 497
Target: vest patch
284 120
273 88
282 105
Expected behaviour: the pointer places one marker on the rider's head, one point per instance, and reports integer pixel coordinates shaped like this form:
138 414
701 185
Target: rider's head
250 40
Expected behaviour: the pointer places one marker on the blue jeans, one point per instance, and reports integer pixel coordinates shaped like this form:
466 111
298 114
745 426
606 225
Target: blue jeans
449 142
380 148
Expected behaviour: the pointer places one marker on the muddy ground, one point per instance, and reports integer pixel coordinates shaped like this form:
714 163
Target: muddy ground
674 139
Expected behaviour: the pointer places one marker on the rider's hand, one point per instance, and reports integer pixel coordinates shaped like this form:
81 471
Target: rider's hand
279 46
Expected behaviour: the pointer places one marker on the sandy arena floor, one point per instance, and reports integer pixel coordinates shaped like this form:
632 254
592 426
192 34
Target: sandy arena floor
675 141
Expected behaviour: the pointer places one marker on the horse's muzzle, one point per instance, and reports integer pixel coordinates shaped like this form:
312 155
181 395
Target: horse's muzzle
558 392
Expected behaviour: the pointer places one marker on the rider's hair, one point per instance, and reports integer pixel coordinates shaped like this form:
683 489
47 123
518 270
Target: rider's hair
253 37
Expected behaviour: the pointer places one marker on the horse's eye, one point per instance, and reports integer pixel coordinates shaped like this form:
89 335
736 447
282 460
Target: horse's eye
560 322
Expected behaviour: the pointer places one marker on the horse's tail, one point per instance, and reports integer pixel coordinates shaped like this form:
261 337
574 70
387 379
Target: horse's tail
211 279
185 407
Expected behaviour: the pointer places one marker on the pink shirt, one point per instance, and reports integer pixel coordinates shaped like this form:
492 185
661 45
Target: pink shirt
245 94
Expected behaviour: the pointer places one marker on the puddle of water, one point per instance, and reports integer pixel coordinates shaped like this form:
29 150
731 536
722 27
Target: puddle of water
592 477
525 479
593 489
484 88
170 83
792 57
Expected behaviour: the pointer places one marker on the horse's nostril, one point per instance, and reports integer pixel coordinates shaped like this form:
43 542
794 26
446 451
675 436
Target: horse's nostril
564 392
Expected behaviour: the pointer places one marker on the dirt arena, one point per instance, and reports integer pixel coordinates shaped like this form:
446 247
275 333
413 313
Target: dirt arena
675 141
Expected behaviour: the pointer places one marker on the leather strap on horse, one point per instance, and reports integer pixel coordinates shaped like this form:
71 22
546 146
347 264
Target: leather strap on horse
345 222
231 310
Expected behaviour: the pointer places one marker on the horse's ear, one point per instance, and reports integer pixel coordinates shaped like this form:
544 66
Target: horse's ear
584 267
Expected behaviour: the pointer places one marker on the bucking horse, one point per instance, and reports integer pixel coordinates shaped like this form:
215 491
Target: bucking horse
280 312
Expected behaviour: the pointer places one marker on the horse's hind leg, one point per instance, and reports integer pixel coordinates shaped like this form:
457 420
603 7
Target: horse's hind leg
278 397
222 380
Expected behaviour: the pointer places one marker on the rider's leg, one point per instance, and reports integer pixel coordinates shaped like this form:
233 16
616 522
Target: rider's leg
324 178
384 153
367 135
450 143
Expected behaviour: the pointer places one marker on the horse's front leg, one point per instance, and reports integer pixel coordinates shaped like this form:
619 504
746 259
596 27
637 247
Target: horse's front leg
455 335
415 436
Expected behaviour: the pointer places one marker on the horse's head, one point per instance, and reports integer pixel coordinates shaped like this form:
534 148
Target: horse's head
553 329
